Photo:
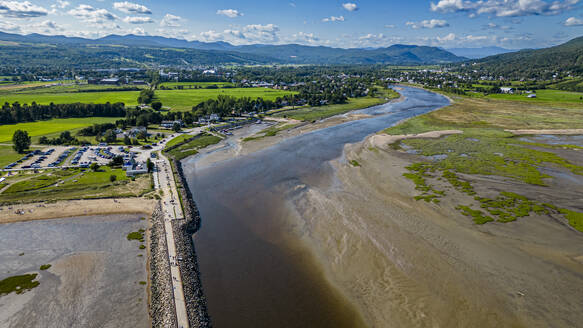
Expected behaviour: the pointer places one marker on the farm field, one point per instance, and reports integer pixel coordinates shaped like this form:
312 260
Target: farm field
182 100
51 127
545 95
198 84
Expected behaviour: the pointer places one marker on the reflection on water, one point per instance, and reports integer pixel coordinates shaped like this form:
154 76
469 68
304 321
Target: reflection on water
254 272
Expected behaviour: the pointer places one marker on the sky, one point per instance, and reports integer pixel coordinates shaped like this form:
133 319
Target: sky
512 24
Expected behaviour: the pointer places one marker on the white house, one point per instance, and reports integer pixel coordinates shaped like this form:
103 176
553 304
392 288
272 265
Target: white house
507 90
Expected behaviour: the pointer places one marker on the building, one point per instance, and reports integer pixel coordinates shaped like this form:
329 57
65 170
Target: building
507 90
170 124
532 95
110 81
214 117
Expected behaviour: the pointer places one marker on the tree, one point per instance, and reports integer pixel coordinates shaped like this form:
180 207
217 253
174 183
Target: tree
112 178
176 127
116 161
127 141
21 141
156 105
94 167
110 136
142 135
150 165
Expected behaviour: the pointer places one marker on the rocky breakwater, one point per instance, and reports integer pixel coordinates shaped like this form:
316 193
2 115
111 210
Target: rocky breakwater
162 308
196 304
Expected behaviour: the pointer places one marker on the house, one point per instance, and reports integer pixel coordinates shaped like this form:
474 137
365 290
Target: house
214 117
532 95
110 81
507 90
137 130
170 124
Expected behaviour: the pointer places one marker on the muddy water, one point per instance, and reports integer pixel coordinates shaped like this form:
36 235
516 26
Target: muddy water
255 271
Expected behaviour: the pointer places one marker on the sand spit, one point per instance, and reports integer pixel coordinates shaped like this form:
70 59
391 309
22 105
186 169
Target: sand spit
72 208
556 132
408 263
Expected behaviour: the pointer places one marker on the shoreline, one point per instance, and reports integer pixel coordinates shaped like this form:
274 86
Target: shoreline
75 208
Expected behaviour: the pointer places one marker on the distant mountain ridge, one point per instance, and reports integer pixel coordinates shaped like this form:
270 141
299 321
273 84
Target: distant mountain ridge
257 53
566 57
476 53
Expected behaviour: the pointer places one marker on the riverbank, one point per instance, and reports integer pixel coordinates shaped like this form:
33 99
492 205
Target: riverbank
75 208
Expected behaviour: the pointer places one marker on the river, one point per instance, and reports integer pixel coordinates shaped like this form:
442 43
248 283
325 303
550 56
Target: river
255 271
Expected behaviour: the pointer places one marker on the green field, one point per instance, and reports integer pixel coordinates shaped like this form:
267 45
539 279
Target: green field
182 100
51 127
192 147
197 84
546 95
8 155
74 184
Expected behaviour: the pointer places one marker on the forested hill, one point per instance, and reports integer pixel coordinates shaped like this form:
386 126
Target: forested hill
540 63
37 50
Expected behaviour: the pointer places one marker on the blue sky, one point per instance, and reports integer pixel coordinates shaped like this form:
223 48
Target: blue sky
367 23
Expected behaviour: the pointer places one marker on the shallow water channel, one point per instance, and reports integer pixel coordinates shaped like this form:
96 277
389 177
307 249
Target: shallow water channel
255 271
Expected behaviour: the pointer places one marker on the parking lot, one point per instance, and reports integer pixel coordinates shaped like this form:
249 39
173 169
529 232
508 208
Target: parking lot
61 156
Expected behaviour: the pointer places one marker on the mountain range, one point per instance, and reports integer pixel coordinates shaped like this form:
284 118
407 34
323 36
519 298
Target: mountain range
539 63
140 50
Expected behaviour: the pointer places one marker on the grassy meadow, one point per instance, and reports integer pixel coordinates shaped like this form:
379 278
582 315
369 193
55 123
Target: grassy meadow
181 100
51 127
544 96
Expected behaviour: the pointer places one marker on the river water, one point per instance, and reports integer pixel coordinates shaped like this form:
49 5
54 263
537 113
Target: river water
255 272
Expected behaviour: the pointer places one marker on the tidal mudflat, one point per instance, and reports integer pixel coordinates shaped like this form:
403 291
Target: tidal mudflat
96 277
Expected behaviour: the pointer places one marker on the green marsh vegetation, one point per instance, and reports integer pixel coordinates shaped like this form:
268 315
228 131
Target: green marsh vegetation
485 148
18 284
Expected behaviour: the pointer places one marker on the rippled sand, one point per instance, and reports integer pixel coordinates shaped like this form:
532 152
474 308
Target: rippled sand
410 264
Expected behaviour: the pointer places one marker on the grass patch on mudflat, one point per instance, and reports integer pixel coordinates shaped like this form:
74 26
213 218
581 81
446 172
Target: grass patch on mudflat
490 152
45 267
52 185
271 131
51 127
192 147
18 284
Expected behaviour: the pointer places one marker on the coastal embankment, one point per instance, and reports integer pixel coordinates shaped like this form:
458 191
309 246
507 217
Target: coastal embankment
162 311
196 305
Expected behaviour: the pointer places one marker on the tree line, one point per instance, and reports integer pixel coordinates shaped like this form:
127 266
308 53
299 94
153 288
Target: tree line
17 113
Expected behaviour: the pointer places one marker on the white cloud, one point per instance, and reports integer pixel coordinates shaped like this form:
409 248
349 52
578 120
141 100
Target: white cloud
302 37
390 26
131 8
333 19
138 20
254 33
171 21
61 4
504 8
173 33
92 15
231 13
138 31
572 21
9 27
428 23
21 9
350 6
